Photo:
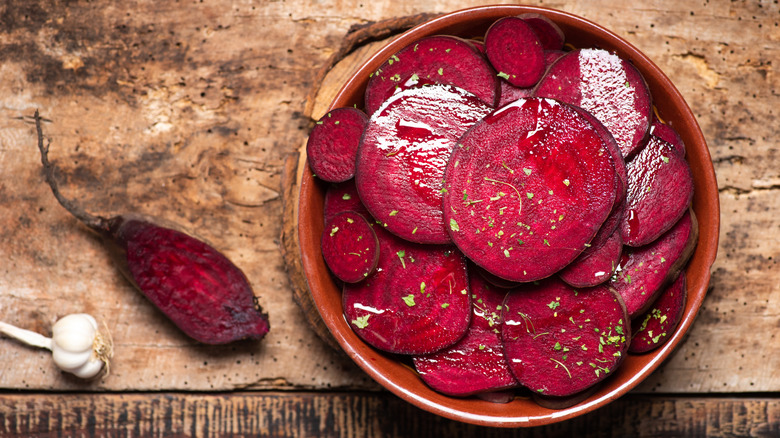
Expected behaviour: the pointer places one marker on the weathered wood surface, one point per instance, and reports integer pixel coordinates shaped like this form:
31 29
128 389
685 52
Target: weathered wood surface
189 112
353 415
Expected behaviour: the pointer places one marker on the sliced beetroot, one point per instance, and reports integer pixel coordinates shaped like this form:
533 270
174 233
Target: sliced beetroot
343 197
403 154
476 363
644 271
550 35
527 188
550 56
563 402
607 86
617 156
596 264
333 144
560 341
417 300
668 134
515 51
660 189
510 93
442 59
350 246
653 328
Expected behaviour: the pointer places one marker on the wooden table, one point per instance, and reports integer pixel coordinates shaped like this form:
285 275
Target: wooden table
195 111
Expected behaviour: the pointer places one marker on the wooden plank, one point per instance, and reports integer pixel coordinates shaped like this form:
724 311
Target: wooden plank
360 415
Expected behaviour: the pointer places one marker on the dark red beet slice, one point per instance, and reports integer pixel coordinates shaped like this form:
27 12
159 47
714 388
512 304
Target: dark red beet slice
333 143
550 35
510 93
403 154
660 189
607 86
527 188
653 328
644 271
553 402
596 264
515 51
417 301
560 341
343 197
199 289
668 134
614 150
476 363
441 59
350 246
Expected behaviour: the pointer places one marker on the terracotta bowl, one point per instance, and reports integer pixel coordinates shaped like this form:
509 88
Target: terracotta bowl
400 378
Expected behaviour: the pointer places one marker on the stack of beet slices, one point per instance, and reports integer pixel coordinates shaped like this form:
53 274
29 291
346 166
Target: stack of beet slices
507 213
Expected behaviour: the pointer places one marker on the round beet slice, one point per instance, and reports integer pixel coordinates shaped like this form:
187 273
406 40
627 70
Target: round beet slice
607 86
668 134
333 144
559 340
476 363
341 197
527 188
403 154
653 328
417 301
550 35
515 51
440 59
350 246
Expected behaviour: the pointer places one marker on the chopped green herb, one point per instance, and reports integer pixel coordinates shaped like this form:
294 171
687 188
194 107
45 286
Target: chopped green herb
454 225
503 75
394 212
361 321
333 231
409 300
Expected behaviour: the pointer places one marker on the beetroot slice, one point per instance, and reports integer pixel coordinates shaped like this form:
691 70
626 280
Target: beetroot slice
476 363
559 340
668 134
550 35
607 86
660 189
333 144
403 154
527 188
417 300
614 150
515 51
653 328
442 59
341 197
510 93
595 266
350 246
644 271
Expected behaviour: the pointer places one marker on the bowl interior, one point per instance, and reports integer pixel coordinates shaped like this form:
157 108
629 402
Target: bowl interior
402 380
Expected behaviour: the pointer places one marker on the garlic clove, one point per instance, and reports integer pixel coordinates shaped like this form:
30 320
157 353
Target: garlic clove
90 369
69 360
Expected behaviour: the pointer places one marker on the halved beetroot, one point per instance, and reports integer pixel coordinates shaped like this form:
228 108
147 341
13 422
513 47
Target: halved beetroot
668 134
653 328
515 51
559 341
441 59
550 35
527 188
417 301
476 363
341 197
607 86
644 271
333 144
350 246
403 153
596 264
660 189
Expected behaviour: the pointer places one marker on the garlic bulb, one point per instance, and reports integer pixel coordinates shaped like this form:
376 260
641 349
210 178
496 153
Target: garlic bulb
77 345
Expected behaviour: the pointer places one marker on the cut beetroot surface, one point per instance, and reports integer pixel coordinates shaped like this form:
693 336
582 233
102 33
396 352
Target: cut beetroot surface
653 328
608 87
667 134
510 93
660 189
617 156
595 266
350 246
417 301
441 59
403 154
515 51
476 363
644 271
527 188
560 341
550 35
333 144
343 197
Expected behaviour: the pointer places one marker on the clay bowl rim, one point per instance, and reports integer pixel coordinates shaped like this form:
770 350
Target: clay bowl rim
398 377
